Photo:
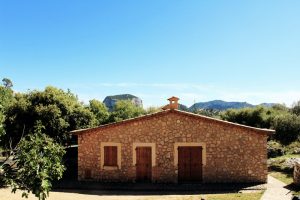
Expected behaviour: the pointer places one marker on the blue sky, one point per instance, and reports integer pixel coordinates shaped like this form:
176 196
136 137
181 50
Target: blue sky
196 50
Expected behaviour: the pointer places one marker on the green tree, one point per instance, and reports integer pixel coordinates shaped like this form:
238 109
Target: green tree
246 116
37 162
6 97
287 128
259 116
152 110
125 109
57 110
285 122
7 83
2 131
99 110
296 108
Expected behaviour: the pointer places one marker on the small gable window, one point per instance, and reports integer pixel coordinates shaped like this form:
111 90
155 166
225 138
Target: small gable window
110 156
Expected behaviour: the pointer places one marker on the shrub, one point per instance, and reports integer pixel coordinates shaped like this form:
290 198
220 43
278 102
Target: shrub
275 149
287 128
293 148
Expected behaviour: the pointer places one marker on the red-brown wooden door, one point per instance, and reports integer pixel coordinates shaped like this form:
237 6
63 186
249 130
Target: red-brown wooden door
189 164
143 164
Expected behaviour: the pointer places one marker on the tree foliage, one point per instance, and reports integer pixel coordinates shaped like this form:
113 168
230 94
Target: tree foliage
152 110
257 117
57 110
296 108
284 120
7 83
274 149
2 131
37 161
287 128
99 110
125 109
6 99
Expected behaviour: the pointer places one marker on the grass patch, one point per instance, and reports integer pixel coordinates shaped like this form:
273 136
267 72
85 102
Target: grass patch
283 172
287 178
279 164
233 196
279 170
286 156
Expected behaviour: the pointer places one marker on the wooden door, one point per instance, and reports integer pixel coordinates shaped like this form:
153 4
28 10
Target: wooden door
189 164
143 164
183 164
196 164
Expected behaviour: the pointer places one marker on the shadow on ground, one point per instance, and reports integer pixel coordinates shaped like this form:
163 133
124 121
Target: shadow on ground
96 188
293 187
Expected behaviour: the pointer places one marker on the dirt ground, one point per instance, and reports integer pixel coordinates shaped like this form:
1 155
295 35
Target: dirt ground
5 194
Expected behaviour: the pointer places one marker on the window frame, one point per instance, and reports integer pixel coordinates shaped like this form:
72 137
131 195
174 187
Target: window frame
102 156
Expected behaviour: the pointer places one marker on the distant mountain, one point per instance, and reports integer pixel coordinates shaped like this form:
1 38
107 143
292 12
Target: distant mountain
183 107
220 105
224 105
110 101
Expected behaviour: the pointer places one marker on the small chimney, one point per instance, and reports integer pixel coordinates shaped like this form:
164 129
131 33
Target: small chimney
173 103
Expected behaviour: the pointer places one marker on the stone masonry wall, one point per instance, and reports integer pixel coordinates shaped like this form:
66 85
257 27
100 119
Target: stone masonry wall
233 153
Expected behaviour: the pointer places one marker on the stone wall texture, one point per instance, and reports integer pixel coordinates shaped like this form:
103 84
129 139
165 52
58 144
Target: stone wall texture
233 153
296 176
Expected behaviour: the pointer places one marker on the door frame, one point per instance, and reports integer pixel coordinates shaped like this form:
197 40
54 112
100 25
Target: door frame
186 163
153 152
189 144
149 167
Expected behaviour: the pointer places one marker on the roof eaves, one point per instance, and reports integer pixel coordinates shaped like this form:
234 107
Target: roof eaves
79 131
266 131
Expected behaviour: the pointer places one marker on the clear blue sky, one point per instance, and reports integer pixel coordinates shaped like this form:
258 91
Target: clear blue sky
196 50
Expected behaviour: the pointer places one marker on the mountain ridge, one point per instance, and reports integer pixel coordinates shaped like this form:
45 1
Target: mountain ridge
110 101
224 105
217 104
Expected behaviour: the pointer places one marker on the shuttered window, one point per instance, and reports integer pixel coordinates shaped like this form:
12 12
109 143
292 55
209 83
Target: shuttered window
110 156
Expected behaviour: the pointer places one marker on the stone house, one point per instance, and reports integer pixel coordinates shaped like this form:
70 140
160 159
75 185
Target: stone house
173 146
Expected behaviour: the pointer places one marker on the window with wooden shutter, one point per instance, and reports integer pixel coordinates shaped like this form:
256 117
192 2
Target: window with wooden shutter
110 156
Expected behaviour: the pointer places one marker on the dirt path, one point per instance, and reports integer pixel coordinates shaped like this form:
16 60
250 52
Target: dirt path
276 191
5 194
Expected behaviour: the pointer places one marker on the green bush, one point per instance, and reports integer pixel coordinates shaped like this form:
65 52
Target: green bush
275 149
287 128
293 148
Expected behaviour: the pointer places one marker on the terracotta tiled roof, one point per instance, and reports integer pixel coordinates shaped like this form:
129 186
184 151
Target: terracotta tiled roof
164 112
